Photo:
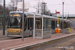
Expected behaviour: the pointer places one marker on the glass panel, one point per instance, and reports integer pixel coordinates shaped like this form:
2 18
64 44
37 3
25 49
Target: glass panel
38 27
14 22
38 24
46 28
47 24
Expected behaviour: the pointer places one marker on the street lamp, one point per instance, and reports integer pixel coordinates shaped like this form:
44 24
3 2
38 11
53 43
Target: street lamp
62 14
23 23
44 6
62 9
38 5
4 18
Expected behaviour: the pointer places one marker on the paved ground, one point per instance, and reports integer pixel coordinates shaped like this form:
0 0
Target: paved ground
1 34
2 28
4 37
61 44
28 41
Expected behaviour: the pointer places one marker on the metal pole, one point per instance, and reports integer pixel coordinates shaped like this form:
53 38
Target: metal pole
62 16
34 28
4 19
42 27
44 8
67 16
38 6
13 4
23 23
55 23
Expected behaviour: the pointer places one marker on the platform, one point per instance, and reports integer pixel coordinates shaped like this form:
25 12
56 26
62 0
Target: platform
18 43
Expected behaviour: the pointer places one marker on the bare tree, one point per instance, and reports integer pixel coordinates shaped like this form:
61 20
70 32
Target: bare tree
43 8
1 10
13 4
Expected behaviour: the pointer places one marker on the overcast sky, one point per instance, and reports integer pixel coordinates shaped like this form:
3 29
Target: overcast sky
53 5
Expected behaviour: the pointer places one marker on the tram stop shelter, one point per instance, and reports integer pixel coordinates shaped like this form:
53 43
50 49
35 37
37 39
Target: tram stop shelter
42 27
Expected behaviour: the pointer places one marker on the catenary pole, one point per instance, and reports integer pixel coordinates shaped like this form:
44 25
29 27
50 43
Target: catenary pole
4 18
23 23
62 16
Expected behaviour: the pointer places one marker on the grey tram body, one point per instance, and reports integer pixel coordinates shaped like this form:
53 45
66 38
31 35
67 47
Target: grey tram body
29 32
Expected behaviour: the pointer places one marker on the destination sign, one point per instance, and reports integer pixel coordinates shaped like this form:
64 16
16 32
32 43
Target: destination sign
15 15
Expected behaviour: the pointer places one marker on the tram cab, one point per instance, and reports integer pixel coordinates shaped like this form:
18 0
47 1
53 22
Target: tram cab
14 27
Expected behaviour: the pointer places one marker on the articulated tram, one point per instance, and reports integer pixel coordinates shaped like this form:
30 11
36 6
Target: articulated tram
14 27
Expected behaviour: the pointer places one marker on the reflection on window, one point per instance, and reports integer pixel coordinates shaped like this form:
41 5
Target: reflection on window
15 22
38 24
47 24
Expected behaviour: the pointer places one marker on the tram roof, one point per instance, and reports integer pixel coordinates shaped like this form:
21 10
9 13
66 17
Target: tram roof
38 15
55 18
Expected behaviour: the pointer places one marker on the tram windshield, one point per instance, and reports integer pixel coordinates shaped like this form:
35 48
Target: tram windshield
15 21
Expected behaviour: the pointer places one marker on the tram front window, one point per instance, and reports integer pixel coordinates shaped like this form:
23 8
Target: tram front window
14 22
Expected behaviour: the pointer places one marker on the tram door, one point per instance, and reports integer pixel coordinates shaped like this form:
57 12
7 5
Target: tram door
38 27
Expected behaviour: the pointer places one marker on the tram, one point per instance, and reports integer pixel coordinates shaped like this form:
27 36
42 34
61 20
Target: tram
14 27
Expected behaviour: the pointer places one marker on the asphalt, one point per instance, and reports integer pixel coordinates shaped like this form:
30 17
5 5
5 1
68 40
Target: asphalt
2 28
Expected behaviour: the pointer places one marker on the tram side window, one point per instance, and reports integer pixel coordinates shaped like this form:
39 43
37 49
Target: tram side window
56 24
30 23
53 24
38 24
25 25
61 25
65 25
46 24
68 25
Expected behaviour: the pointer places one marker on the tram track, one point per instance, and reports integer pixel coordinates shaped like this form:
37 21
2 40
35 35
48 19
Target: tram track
58 42
69 47
52 44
